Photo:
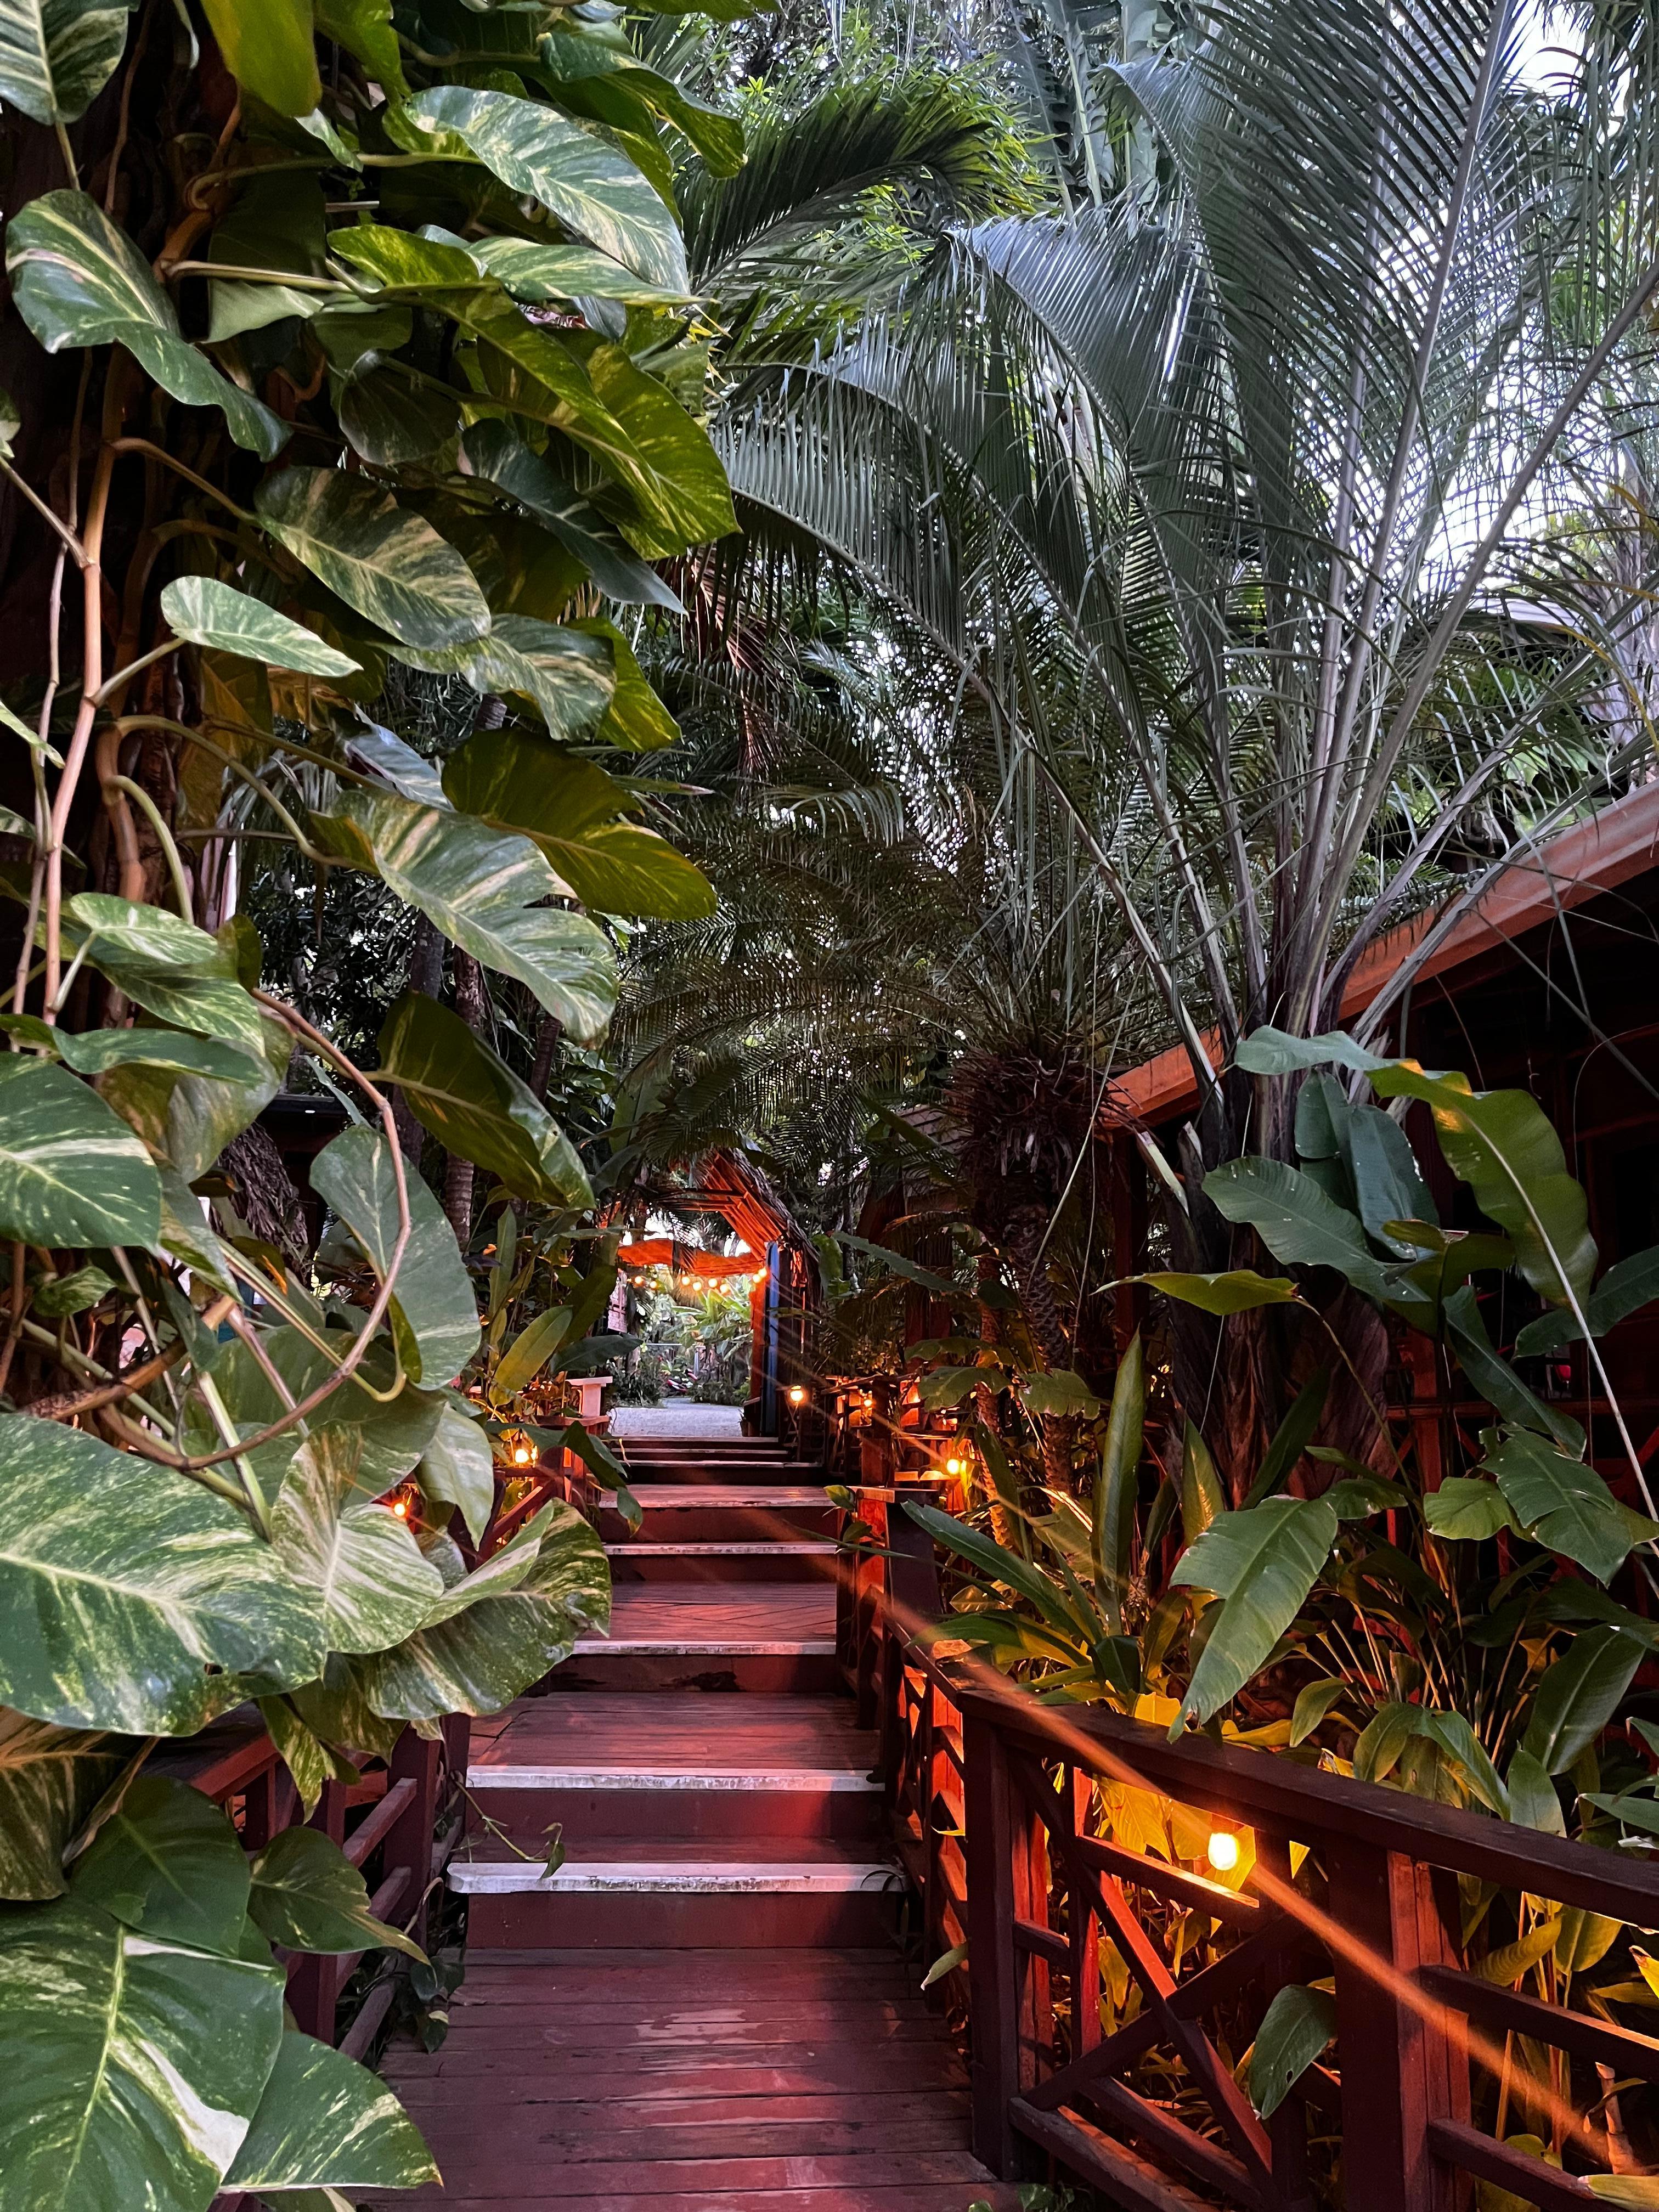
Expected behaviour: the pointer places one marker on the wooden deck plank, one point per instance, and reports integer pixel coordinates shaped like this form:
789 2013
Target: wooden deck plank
668 1732
757 1617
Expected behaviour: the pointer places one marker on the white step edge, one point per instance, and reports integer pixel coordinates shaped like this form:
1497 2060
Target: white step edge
663 1495
815 1780
812 1550
704 1647
709 1878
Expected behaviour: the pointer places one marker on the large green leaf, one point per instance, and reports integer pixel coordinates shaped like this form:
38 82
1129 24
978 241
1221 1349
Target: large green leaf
364 27
204 611
325 2122
270 50
692 503
131 2068
306 1895
77 280
493 453
581 177
483 889
1236 1290
1296 2028
1203 1493
475 1106
50 1780
168 1862
529 1352
71 1172
357 1560
384 560
516 783
1564 1503
1497 1381
1503 1146
1578 1696
1467 1509
126 1590
95 1052
168 966
1268 1051
1262 1563
567 676
458 1469
503 1628
1388 1183
540 272
436 1315
569 58
1296 1222
187 1121
56 56
638 721
393 1431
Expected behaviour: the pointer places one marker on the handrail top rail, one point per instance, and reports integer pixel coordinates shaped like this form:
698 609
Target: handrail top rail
1307 1803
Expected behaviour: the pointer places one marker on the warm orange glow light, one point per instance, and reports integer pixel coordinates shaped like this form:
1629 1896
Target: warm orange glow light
956 1467
796 1395
401 1509
1223 1851
522 1454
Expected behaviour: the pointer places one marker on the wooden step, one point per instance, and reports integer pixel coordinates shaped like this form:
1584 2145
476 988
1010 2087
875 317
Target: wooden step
645 1891
755 1636
701 1513
799 1560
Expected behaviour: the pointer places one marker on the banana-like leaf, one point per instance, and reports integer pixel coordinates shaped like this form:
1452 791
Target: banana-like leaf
1579 1694
482 889
994 1563
1238 1290
204 611
1060 1393
500 1629
1506 1964
458 1469
475 1106
1114 1529
270 50
77 280
357 1560
1497 1381
435 1316
1295 1220
306 1895
1203 1493
568 676
1262 1563
1502 1143
1296 2027
1314 1700
1388 1186
578 175
529 1352
1268 1051
1467 1510
1291 1437
71 1171
126 1590
1533 1800
383 560
1564 1503
50 1780
56 56
1624 1290
168 1862
494 452
132 2066
325 2122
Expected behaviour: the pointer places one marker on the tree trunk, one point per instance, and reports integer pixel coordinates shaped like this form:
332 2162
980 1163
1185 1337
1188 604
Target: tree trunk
1059 1430
472 1005
426 975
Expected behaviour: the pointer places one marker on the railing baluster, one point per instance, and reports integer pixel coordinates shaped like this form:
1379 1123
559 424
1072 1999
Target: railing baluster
1082 1930
992 1966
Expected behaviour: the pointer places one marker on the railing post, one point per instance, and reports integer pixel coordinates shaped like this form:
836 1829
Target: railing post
990 1816
313 1986
409 1840
1401 2064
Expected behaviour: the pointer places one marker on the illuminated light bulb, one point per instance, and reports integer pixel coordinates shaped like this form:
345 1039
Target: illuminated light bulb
1223 1851
401 1509
956 1467
522 1454
796 1395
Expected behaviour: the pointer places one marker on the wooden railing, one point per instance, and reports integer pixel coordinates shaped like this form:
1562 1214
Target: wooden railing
996 1807
398 1824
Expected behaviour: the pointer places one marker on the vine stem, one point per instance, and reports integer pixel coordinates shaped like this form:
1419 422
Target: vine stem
92 676
176 866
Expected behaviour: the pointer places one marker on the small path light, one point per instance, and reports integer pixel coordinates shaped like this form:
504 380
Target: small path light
1223 1851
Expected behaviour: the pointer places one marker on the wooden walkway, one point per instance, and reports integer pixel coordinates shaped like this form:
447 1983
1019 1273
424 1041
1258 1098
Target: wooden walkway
704 2006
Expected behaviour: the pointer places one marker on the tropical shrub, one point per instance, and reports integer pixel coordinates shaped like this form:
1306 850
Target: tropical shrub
337 347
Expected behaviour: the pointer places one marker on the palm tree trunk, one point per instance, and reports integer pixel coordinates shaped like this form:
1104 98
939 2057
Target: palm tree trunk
1059 1430
472 1005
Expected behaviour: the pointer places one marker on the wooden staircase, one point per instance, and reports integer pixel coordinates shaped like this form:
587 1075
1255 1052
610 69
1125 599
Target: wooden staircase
703 2004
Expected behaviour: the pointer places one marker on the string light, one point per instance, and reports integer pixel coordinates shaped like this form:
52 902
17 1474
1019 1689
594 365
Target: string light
1223 1851
523 1452
956 1467
796 1395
